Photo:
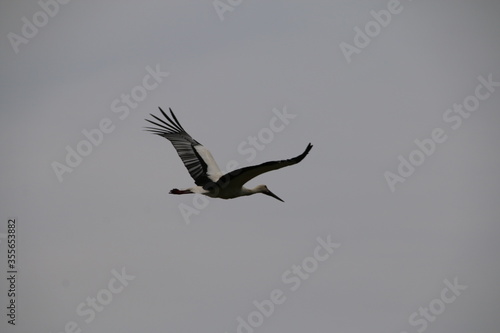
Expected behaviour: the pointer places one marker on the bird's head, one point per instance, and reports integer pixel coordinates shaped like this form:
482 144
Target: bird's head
263 189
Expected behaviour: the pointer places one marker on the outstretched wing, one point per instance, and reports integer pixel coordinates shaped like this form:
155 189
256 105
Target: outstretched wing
197 159
239 177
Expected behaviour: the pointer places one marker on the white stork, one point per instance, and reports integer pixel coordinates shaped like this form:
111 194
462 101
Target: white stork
204 170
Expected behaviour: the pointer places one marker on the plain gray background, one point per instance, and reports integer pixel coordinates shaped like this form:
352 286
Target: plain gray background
113 211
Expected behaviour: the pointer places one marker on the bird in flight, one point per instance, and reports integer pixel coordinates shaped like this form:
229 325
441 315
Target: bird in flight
204 170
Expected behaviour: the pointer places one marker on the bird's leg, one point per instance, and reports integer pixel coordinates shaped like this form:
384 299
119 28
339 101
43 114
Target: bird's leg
177 191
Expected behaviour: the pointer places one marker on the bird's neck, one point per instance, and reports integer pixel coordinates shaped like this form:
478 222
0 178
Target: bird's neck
249 191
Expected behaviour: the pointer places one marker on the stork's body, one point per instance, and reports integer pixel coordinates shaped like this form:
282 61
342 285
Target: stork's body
227 192
204 170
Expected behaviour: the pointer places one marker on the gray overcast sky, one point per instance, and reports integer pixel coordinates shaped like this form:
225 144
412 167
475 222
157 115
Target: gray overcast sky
418 255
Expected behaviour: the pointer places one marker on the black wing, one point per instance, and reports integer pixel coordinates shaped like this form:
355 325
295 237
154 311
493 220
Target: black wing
239 177
197 159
